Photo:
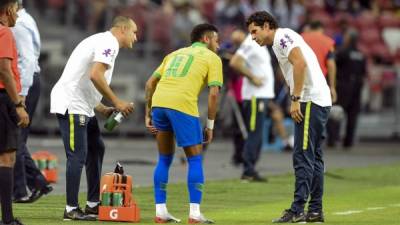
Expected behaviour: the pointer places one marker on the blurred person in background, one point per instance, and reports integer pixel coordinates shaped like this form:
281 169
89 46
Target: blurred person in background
310 105
12 108
235 81
324 48
278 110
186 17
172 114
229 13
351 73
81 87
26 173
254 63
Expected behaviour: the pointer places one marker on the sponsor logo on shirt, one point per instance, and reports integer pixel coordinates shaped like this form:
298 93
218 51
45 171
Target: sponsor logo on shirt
288 38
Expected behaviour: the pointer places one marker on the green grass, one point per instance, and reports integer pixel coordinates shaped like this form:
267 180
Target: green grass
231 202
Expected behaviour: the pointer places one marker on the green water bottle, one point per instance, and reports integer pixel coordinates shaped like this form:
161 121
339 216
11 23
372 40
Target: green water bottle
117 199
106 198
113 121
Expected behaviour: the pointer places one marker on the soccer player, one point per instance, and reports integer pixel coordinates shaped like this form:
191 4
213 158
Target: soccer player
172 114
84 82
310 106
12 108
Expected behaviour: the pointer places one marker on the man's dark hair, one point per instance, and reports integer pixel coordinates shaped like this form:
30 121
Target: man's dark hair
315 25
200 30
4 3
261 17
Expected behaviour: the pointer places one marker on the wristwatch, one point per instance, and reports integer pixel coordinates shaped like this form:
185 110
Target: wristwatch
294 98
20 104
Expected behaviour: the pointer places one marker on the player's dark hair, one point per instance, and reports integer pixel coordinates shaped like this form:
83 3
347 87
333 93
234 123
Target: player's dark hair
4 3
315 25
200 30
261 17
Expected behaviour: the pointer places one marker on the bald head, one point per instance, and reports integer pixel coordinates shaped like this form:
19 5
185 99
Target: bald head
237 37
121 21
124 29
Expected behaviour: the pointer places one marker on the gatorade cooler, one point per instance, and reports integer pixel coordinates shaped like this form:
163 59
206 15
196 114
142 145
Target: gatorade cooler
117 203
47 164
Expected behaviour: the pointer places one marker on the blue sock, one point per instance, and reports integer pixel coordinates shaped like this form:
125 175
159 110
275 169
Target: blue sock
161 178
195 178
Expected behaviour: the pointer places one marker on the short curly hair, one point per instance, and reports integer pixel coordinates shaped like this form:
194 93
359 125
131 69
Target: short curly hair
261 17
201 29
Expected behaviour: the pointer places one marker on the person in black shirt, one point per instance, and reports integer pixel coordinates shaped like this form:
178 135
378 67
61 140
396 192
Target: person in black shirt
351 72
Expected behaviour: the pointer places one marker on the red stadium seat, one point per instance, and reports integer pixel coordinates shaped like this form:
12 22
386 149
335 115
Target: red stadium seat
388 20
381 50
56 3
339 16
370 36
365 20
324 18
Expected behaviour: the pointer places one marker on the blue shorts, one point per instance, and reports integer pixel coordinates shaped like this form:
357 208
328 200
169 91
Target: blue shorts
187 128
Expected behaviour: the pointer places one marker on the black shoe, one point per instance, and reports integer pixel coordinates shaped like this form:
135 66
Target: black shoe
253 178
315 217
14 222
77 214
36 194
288 148
92 210
25 199
289 217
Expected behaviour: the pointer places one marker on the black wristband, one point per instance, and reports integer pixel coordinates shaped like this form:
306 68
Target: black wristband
294 98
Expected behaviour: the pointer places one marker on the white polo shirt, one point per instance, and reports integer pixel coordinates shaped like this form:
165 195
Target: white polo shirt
74 91
315 87
258 61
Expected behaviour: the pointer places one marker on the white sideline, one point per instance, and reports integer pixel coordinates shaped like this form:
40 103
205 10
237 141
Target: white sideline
349 212
345 213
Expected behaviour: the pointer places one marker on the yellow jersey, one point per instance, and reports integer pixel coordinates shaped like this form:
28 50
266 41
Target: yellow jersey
183 74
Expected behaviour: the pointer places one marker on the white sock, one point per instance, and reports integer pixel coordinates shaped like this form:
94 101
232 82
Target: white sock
70 208
194 210
92 204
161 210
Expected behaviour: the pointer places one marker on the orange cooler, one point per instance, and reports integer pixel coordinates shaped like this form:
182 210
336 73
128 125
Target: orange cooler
117 203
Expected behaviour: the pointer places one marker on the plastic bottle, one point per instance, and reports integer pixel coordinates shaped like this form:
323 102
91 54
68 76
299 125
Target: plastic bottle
113 121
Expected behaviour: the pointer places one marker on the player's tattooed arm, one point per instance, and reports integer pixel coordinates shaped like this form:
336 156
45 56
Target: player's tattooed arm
151 85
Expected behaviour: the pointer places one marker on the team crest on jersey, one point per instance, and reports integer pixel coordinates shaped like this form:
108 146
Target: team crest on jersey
282 43
107 52
82 120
